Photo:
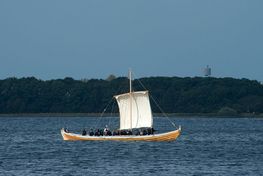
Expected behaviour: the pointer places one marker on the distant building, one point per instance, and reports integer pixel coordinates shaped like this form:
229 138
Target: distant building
207 71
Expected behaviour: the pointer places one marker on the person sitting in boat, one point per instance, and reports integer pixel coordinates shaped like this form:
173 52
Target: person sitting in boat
143 132
91 133
129 132
101 132
115 133
97 133
107 131
136 132
66 130
150 131
106 128
84 133
123 132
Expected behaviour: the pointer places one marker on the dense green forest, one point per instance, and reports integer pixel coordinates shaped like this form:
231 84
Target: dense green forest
173 94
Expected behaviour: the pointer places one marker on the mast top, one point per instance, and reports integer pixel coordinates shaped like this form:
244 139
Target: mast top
130 78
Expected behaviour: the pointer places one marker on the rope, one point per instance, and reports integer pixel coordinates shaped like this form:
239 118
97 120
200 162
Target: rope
163 112
111 114
158 105
104 110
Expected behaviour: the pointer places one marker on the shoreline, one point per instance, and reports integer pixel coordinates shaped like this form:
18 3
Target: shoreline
205 115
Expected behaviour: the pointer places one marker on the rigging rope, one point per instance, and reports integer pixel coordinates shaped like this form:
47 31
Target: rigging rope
111 115
101 115
104 110
158 105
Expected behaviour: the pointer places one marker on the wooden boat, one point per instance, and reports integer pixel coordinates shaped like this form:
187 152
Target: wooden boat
135 113
169 136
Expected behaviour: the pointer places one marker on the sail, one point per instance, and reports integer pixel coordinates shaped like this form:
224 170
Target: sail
135 110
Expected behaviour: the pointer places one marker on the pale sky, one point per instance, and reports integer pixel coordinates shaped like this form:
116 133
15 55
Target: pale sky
52 39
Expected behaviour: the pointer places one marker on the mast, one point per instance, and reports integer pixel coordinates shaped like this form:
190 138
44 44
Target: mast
130 77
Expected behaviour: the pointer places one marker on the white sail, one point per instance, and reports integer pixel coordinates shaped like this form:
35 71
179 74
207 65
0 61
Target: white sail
135 110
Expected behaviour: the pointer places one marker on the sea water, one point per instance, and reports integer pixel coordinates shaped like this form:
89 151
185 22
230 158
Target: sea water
33 146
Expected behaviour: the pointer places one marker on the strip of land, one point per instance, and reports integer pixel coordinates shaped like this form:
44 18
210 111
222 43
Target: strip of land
209 115
176 96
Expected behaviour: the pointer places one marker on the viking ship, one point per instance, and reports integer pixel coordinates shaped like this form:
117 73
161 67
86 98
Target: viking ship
135 113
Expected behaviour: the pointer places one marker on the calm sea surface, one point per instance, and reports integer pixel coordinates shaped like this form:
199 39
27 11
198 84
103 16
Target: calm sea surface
207 146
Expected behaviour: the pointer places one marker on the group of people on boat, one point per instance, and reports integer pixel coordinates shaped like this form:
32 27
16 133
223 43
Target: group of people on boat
107 132
99 132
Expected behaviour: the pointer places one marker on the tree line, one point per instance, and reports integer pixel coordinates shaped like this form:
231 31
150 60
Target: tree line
173 95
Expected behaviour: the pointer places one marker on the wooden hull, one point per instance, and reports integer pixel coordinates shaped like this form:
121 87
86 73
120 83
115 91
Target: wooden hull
169 136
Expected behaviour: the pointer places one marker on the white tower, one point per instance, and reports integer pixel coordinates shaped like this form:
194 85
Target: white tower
207 71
